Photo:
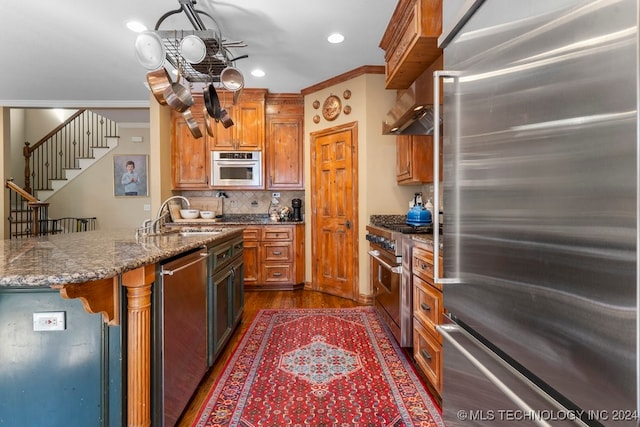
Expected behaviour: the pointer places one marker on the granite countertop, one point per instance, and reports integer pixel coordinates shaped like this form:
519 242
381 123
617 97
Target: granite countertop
91 255
233 219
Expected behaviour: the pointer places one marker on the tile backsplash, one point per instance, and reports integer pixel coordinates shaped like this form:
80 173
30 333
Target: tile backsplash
250 202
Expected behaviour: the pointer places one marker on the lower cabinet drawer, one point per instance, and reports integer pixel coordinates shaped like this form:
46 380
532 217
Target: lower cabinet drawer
279 252
427 352
276 273
427 305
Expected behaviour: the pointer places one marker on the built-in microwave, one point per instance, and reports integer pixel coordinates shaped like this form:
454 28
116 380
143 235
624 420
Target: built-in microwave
236 169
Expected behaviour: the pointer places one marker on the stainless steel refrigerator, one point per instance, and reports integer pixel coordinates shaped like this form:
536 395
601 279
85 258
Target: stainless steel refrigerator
540 130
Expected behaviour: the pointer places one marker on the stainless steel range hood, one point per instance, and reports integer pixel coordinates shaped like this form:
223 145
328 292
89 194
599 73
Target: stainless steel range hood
412 114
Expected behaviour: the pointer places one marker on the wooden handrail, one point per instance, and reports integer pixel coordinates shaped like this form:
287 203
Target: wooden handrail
13 186
28 149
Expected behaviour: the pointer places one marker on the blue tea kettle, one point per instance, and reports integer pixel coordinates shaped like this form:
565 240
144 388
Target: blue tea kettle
418 215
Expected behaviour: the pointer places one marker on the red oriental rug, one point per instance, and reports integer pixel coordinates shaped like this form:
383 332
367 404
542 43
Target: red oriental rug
318 367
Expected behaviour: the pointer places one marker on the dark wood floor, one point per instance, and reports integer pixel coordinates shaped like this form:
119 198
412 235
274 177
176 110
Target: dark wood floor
255 301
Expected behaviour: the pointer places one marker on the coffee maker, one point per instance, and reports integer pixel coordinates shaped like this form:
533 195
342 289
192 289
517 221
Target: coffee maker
296 204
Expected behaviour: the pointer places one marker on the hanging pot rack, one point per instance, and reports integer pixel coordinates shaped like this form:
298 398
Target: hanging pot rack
218 56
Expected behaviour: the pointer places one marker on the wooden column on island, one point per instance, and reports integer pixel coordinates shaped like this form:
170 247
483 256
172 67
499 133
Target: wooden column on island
138 283
101 296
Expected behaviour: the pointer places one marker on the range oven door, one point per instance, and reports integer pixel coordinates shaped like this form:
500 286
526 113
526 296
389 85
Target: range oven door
385 282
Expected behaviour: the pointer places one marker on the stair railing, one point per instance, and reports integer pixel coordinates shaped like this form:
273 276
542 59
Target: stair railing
29 216
61 148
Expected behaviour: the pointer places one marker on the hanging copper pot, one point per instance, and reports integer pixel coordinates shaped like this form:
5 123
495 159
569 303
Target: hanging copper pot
159 80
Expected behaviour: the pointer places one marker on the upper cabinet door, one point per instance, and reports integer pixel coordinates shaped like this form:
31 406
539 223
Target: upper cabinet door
410 41
414 159
248 130
284 146
189 155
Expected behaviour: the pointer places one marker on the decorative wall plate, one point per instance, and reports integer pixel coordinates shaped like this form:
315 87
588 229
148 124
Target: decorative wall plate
346 94
347 109
316 119
316 104
331 107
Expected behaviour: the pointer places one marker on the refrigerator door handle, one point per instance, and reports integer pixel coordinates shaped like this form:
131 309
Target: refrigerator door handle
445 329
437 75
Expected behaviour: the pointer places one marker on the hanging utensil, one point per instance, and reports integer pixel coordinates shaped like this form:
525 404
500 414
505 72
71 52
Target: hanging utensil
192 123
150 50
232 79
193 49
208 100
207 121
225 118
159 80
178 96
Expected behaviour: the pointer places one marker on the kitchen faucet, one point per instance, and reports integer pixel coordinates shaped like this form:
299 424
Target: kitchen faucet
166 202
154 226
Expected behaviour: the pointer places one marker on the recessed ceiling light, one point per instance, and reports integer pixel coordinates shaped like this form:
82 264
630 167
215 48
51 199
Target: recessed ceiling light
258 73
136 26
335 38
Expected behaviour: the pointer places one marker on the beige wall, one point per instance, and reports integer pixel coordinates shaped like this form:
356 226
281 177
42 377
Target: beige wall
377 188
92 193
5 138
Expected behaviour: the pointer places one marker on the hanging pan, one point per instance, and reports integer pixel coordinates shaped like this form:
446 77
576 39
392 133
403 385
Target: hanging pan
159 80
178 96
232 79
207 121
210 99
192 123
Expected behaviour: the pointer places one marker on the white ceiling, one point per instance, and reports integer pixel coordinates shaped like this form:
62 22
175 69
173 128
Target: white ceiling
70 53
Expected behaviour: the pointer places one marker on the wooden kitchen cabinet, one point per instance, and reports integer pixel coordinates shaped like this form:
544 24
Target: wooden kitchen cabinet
247 132
428 311
410 41
414 159
284 145
274 257
190 161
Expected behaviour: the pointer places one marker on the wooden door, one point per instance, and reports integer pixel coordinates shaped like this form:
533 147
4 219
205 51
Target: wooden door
334 204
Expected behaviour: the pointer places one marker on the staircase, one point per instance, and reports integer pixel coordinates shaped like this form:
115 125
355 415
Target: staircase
83 163
52 163
65 152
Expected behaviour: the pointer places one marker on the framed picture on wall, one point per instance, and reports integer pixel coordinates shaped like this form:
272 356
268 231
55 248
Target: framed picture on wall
130 175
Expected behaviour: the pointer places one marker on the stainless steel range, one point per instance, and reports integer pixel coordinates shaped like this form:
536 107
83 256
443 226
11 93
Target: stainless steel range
390 272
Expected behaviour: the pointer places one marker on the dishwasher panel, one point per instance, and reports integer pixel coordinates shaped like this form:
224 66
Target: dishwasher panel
184 331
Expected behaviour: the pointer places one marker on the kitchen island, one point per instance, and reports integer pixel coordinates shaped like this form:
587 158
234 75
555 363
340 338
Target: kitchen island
112 273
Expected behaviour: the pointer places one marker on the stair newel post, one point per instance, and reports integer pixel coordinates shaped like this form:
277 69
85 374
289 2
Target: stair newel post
27 170
39 215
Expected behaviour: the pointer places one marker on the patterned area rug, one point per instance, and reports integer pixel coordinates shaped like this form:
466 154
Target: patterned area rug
318 367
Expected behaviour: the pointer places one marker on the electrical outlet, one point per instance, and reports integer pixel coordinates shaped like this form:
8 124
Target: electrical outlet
49 321
275 194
